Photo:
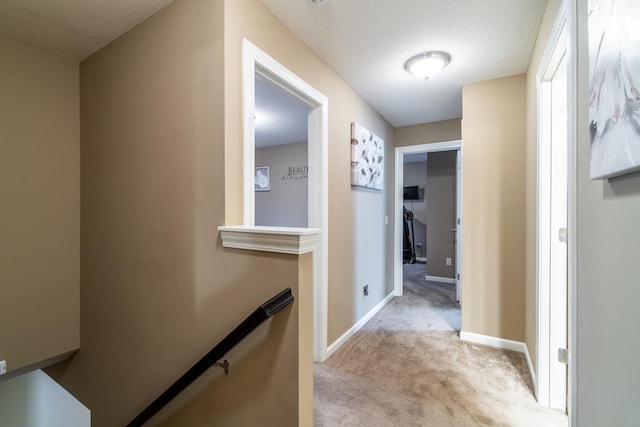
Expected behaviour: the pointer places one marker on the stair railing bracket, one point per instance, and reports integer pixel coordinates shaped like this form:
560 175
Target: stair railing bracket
224 364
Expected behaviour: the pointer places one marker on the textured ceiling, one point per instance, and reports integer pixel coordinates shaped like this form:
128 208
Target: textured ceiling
73 28
367 43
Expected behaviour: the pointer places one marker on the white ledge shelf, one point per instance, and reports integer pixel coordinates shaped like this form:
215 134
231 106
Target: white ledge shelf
283 240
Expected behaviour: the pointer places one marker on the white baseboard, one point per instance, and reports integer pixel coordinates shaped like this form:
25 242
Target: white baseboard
421 259
518 346
532 372
359 324
440 279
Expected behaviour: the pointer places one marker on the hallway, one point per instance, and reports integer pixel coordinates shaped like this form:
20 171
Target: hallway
425 305
407 367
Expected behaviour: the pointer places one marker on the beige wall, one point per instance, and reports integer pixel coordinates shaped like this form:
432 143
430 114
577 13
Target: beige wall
268 384
494 208
355 257
161 153
531 167
39 205
440 194
158 290
445 130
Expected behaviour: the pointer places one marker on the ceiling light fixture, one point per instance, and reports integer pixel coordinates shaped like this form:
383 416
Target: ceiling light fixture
427 64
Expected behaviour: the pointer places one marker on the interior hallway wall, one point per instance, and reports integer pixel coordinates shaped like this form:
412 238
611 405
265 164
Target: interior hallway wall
39 205
426 133
493 249
360 244
158 289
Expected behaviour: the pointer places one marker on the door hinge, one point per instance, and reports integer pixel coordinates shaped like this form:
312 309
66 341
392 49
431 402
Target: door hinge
562 356
458 276
562 235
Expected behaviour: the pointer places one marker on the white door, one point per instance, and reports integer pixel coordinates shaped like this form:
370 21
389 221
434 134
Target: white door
552 228
558 239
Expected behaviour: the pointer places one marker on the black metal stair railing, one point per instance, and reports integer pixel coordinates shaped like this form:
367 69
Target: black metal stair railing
213 357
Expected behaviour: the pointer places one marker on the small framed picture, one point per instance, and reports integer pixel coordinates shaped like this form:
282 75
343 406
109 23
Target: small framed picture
262 178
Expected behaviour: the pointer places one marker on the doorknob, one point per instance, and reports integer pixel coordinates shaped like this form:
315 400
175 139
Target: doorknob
453 230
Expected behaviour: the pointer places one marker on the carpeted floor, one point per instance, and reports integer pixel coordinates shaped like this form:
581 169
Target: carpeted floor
407 367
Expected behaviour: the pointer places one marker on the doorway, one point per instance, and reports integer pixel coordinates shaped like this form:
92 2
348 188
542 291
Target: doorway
401 152
429 237
553 217
257 65
429 193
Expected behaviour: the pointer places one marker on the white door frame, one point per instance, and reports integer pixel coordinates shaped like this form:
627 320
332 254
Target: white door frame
551 217
565 20
398 203
459 226
255 61
572 267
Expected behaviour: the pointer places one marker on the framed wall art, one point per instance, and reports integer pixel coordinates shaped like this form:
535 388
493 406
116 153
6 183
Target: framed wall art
614 87
262 178
367 158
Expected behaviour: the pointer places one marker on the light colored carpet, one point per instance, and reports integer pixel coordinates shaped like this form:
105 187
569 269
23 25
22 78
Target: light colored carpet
407 367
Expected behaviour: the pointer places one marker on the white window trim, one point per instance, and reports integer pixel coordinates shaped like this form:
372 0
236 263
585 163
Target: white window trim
283 239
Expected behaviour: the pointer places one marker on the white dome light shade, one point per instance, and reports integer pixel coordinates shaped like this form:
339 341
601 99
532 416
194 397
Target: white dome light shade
427 64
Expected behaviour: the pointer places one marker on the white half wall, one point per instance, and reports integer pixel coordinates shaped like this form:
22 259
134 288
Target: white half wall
35 400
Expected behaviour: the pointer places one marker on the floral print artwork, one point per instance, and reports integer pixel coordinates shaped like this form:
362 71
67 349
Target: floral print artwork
367 158
614 89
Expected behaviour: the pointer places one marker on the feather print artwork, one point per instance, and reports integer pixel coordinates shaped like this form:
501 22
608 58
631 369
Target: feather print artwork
367 158
614 87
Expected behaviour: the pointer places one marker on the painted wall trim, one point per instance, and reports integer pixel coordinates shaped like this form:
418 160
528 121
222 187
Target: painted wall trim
576 47
565 20
398 201
449 280
270 239
503 343
355 328
255 61
532 371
